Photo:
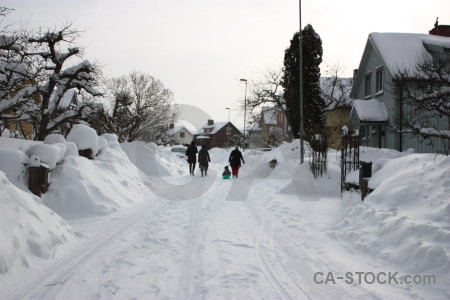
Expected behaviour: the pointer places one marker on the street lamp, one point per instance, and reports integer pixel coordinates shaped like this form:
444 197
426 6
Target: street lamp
228 128
245 110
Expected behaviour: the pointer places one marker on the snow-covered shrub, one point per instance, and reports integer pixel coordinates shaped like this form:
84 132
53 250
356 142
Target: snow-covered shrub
54 139
85 138
112 140
102 143
71 149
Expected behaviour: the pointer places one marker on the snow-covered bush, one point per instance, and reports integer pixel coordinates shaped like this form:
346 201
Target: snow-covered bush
71 149
54 139
102 143
84 137
112 140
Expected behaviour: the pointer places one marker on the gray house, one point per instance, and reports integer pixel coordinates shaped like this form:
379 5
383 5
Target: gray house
375 110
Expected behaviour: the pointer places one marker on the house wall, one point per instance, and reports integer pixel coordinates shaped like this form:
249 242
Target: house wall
220 138
371 63
336 119
188 137
370 136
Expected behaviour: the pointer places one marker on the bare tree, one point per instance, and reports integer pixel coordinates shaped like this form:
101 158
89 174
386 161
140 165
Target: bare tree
335 89
424 99
141 108
16 75
265 91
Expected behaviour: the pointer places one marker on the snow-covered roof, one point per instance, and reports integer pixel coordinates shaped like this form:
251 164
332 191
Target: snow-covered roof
202 137
339 90
370 110
215 127
174 130
404 50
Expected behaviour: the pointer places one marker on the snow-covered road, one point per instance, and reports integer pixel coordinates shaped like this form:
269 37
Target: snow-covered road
269 245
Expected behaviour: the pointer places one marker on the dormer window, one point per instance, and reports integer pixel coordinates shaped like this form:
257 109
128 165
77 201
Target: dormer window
379 80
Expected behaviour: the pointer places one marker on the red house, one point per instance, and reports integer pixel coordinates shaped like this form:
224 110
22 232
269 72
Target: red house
219 134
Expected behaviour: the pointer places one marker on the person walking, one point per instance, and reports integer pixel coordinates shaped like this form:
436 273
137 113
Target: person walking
235 161
203 160
191 153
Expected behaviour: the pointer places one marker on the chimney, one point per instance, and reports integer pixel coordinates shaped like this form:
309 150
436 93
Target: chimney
210 122
355 72
440 30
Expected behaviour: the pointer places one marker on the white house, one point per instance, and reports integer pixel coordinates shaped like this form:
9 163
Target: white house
180 135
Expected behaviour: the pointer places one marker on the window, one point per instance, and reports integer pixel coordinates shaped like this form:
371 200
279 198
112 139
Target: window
367 85
181 134
379 80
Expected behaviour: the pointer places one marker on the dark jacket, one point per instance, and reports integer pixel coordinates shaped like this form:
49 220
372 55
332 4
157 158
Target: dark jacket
191 153
226 172
235 158
203 157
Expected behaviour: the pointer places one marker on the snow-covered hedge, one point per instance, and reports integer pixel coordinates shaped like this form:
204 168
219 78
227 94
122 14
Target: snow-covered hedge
84 137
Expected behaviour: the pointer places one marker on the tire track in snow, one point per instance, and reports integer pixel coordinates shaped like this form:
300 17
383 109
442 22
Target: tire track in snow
67 268
202 210
273 270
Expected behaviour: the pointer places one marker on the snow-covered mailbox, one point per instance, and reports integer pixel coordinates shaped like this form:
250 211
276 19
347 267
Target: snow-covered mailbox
43 158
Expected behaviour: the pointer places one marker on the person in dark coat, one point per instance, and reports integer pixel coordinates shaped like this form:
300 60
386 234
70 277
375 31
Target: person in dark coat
203 160
191 153
235 161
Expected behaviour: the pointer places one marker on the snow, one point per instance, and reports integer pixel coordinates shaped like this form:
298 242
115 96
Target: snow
49 154
28 229
132 223
399 50
84 137
370 110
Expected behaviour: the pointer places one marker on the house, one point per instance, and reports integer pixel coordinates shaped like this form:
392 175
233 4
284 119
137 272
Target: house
180 135
336 92
271 128
376 110
219 134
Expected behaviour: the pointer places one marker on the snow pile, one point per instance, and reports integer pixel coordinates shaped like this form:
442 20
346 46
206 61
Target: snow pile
28 229
82 188
84 137
406 219
12 163
154 160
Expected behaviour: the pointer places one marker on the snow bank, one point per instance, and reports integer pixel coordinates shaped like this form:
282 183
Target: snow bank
12 163
83 188
406 219
155 160
27 228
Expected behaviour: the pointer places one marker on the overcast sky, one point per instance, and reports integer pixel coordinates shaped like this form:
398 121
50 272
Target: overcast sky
200 49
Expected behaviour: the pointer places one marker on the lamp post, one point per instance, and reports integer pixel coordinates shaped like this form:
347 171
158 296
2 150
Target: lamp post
300 67
228 128
245 111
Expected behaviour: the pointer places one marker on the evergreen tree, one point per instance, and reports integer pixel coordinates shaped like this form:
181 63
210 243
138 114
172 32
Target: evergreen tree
313 103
